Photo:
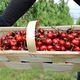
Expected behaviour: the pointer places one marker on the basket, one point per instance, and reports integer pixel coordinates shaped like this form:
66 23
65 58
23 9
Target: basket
45 60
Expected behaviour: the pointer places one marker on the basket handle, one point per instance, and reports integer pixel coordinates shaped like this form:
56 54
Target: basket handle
30 37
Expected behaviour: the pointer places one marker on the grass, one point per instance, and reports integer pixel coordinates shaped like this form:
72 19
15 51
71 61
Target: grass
10 74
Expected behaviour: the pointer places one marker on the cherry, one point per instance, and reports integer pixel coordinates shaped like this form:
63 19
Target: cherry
1 48
13 42
14 48
50 34
62 42
48 41
76 48
43 48
19 37
70 37
63 48
63 35
3 38
21 48
55 34
6 42
75 34
57 47
68 45
75 42
50 48
55 41
9 34
39 43
41 30
24 38
41 36
44 41
23 32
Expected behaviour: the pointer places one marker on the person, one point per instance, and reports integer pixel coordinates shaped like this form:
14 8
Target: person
16 9
78 76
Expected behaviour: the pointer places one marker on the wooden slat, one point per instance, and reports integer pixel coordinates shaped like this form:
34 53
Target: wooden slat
59 59
18 65
58 67
13 58
37 65
3 58
45 55
35 59
76 68
65 53
2 64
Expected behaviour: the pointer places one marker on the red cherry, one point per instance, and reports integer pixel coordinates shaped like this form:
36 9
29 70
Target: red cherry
41 36
41 30
6 47
75 42
21 48
14 48
55 41
43 48
63 48
57 47
13 42
1 48
77 38
68 45
75 34
39 43
19 37
62 42
3 38
50 48
76 48
6 42
23 32
63 35
24 38
9 33
43 41
55 34
48 41
70 37
50 34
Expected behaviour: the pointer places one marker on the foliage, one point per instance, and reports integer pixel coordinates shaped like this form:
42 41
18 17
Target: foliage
34 75
78 21
3 4
50 13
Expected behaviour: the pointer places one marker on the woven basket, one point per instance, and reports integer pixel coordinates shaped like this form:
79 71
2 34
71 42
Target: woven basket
45 60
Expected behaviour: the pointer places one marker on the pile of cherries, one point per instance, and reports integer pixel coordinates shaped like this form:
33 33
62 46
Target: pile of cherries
14 40
57 40
45 39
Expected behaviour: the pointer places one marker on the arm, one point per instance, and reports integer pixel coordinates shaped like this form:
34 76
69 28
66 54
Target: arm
14 11
77 1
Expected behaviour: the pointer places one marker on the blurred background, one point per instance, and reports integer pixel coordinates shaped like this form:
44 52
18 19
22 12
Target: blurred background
74 9
49 12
